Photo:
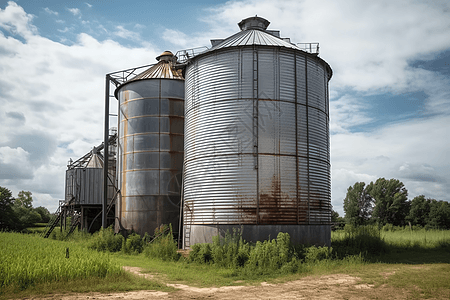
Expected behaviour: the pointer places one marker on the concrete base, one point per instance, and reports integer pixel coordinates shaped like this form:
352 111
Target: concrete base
319 235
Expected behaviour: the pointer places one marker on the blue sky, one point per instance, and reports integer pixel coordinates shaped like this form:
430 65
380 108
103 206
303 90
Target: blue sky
390 91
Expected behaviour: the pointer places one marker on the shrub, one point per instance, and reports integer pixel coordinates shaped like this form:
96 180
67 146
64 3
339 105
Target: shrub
269 256
106 240
315 254
201 253
231 250
133 244
163 246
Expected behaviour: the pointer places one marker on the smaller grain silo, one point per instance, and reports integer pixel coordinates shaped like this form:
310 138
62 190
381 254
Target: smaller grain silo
150 147
84 188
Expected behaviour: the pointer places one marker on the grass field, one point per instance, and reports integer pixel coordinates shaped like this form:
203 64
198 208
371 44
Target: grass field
30 264
417 262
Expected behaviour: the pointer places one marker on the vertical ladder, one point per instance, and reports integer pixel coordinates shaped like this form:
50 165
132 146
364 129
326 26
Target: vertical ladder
187 236
255 106
255 124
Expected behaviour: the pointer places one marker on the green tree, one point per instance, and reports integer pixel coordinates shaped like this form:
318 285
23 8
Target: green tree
8 219
357 205
24 199
439 216
44 213
390 198
27 217
23 208
419 211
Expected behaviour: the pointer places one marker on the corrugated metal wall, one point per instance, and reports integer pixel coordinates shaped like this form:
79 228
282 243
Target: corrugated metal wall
256 138
85 185
151 127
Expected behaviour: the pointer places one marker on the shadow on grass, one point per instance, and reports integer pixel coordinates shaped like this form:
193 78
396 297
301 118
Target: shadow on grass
374 248
414 255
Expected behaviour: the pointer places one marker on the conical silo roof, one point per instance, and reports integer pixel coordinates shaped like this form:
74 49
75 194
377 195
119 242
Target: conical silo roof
163 69
95 162
253 32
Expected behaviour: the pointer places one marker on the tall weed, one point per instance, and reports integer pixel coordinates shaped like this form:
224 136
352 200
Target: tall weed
133 244
162 246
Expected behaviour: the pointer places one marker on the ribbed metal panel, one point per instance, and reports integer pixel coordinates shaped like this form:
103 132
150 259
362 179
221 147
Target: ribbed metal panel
220 191
289 183
256 138
84 185
253 37
151 145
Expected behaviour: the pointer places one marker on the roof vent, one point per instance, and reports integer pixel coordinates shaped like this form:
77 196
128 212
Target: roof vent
165 56
254 23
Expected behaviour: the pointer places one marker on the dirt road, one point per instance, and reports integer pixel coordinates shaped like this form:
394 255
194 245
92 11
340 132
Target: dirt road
337 286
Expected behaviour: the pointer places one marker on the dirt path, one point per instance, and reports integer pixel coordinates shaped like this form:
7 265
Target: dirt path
337 286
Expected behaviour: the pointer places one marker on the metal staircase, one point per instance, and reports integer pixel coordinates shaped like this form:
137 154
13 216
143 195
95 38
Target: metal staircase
75 222
53 221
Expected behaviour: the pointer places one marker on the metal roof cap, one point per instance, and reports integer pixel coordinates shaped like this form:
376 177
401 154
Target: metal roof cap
165 56
254 23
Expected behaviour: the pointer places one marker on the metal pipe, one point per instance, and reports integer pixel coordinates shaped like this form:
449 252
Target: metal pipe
105 152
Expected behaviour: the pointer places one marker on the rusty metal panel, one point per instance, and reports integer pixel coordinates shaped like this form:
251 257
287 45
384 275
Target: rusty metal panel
278 189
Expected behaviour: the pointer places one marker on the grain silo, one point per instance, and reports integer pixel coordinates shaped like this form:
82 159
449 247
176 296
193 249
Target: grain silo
257 139
150 147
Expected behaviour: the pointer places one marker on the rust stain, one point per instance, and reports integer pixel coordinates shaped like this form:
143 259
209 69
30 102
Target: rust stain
275 206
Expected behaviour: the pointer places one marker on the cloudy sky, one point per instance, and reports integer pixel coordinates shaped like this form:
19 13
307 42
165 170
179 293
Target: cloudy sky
390 91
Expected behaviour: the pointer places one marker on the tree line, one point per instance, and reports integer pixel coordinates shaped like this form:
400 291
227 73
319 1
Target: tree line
18 213
386 202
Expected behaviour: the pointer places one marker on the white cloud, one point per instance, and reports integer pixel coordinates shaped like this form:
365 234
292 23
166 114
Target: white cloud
51 12
58 89
347 113
14 19
88 5
75 11
66 29
127 34
415 152
176 37
52 99
370 47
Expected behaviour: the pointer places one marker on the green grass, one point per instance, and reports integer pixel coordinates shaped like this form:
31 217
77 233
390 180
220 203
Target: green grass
200 275
118 283
417 261
31 264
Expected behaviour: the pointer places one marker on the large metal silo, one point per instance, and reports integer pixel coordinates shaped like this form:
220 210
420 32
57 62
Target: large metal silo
257 139
150 158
